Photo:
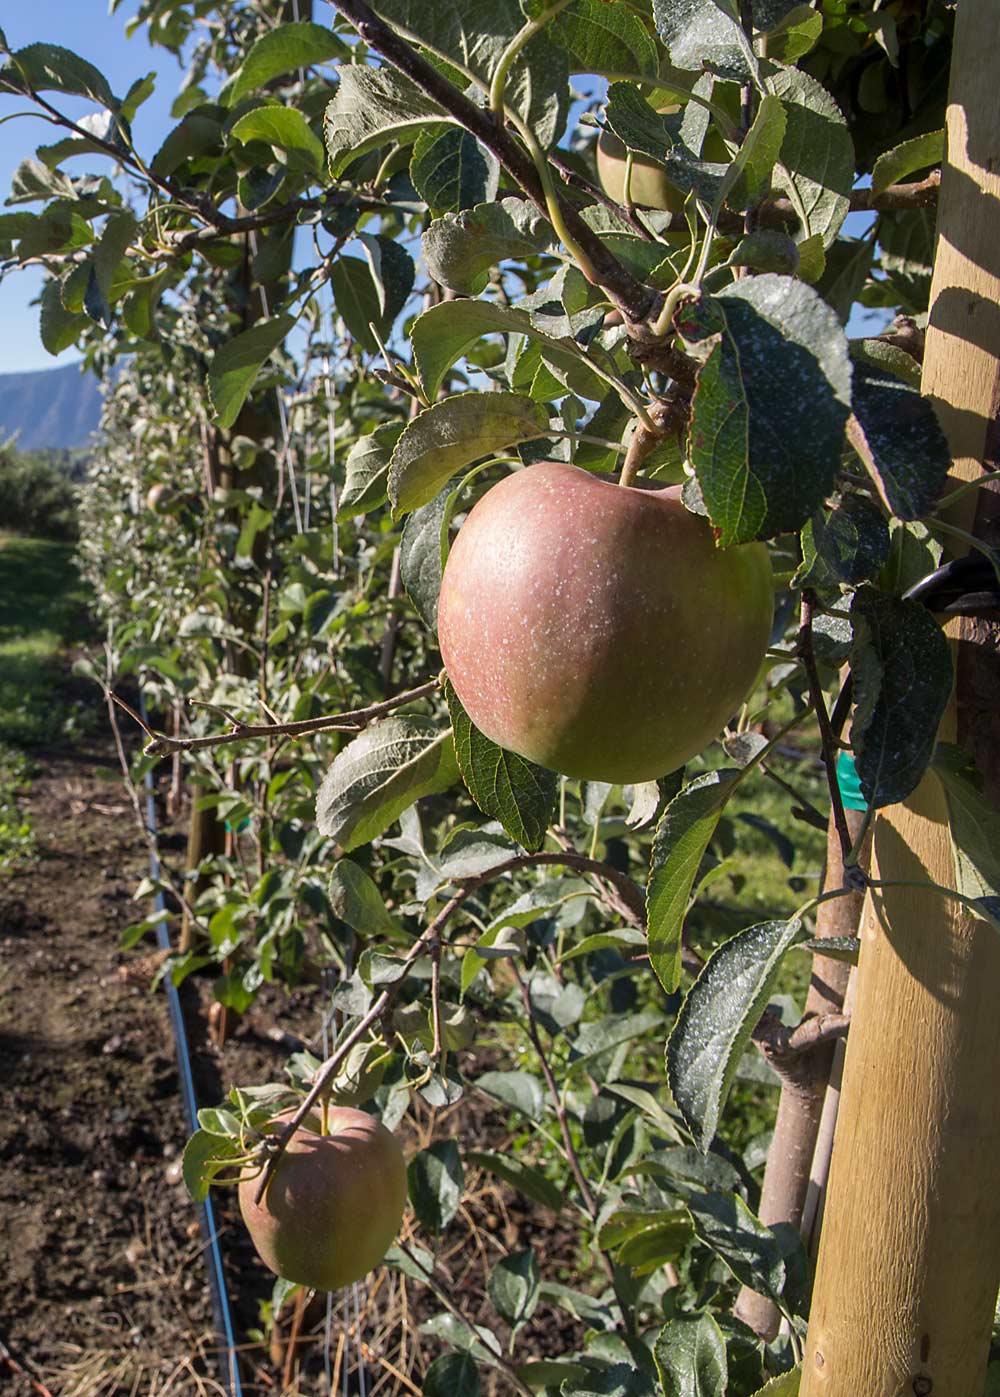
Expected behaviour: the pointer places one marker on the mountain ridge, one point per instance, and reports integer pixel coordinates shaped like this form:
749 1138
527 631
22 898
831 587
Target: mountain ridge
58 407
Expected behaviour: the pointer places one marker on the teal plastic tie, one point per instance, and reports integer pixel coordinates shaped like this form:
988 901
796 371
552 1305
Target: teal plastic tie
850 786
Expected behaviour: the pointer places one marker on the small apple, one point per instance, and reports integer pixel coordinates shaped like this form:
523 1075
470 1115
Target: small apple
650 186
334 1203
596 629
157 497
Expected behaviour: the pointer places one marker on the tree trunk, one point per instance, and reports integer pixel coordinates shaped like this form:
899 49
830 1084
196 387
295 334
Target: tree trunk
909 1258
789 1160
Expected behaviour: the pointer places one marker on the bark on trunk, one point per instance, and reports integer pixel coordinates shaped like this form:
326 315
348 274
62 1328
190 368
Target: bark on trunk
786 1178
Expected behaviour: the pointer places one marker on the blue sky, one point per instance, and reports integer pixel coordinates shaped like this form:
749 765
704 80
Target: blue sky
85 27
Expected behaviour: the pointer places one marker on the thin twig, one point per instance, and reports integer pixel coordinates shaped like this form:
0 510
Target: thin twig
804 649
351 721
569 1148
140 819
328 1070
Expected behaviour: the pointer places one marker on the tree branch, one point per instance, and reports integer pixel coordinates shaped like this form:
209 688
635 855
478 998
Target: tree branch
352 721
635 300
854 877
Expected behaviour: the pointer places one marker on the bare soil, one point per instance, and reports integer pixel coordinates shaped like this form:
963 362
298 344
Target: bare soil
103 1285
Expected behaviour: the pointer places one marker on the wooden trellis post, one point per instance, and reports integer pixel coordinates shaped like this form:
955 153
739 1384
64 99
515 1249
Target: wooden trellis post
909 1260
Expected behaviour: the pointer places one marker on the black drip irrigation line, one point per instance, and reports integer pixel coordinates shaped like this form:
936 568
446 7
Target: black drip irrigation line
221 1312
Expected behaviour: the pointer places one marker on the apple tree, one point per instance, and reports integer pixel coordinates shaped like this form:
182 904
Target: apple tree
371 272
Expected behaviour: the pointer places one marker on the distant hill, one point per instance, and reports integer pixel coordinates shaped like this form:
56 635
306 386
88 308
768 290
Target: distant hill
49 408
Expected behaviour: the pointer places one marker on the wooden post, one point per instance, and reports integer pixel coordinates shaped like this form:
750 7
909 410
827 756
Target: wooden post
909 1259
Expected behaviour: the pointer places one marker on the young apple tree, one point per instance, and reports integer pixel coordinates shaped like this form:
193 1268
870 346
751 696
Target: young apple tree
375 291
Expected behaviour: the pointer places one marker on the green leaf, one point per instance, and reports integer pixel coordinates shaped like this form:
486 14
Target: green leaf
141 301
717 1018
436 1180
451 434
367 472
682 836
283 127
645 1239
620 1380
817 154
751 1251
474 1339
897 435
421 561
509 788
448 330
780 353
784 1385
638 125
49 68
197 133
906 158
235 365
218 1122
282 50
625 940
118 233
380 774
793 36
32 182
518 1089
974 823
544 1374
749 175
461 248
906 240
849 544
139 92
599 38
848 263
901 663
452 1375
371 108
362 300
58 327
537 84
513 1287
690 1357
882 356
843 948
204 1155
357 901
451 171
524 1177
699 35
392 271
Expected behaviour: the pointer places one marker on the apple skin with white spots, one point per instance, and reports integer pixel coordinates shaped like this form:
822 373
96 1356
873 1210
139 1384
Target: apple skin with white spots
595 628
333 1206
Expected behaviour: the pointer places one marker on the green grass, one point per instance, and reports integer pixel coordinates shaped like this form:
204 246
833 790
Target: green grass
17 842
43 613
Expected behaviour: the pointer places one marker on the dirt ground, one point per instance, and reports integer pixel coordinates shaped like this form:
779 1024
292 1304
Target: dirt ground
103 1285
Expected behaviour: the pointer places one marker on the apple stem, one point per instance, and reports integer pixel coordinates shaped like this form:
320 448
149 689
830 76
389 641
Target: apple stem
647 433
